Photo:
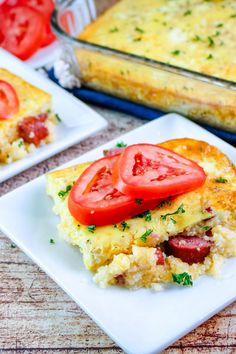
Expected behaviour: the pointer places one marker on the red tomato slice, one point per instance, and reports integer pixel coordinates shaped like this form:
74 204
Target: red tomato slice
45 7
49 36
9 103
93 200
23 30
149 171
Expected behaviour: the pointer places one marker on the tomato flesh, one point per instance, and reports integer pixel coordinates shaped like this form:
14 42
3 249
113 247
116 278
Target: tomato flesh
45 7
150 172
33 130
9 102
22 31
94 200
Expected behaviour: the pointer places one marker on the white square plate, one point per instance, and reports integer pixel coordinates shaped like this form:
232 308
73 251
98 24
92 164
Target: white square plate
78 120
141 321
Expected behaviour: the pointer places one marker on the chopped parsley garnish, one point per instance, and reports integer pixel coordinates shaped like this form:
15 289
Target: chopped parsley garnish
52 241
115 226
233 16
124 225
164 202
210 56
13 245
49 110
91 228
138 201
206 228
180 210
216 34
138 29
175 52
187 13
220 25
58 117
148 216
145 235
62 194
113 30
197 38
20 143
184 279
211 42
137 39
221 180
121 144
173 221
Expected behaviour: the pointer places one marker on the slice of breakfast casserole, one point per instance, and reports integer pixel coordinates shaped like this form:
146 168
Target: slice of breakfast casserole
180 239
32 121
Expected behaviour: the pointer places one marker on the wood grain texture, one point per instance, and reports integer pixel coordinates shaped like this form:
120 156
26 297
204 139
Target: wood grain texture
38 317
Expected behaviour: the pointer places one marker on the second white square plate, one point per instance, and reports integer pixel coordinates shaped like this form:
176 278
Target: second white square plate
78 120
141 321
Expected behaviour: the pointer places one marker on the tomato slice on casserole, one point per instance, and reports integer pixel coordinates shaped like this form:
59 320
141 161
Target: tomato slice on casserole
94 200
9 102
150 172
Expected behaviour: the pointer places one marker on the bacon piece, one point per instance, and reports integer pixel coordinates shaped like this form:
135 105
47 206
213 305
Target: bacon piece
190 249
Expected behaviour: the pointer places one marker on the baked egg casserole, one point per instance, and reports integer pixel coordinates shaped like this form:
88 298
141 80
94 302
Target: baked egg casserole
30 122
197 35
182 238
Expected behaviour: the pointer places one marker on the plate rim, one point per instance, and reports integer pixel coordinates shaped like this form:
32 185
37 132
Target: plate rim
60 282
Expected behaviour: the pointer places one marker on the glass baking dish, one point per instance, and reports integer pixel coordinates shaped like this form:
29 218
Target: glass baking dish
204 98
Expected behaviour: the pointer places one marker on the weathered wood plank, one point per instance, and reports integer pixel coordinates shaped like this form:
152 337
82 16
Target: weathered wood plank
34 311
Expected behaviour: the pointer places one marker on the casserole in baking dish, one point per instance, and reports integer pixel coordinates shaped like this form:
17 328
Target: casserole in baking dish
175 56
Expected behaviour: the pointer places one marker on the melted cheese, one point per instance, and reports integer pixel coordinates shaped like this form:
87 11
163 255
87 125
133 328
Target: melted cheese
112 251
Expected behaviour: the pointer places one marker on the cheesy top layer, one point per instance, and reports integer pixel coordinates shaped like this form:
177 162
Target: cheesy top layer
198 35
100 246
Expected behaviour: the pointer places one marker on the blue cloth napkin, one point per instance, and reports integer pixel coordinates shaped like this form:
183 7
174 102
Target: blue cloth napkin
132 108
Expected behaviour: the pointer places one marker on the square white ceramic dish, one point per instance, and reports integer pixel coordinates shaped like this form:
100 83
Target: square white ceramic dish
78 120
140 321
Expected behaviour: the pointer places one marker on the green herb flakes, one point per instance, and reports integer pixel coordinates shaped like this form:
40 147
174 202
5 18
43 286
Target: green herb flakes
113 30
13 245
221 180
137 39
58 117
187 13
209 57
62 194
148 216
163 203
138 29
52 241
197 38
211 42
184 279
233 16
91 228
219 25
124 225
121 144
20 143
138 201
144 236
180 210
206 228
175 52
173 221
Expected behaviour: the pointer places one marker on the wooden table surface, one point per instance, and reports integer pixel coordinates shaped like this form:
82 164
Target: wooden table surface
36 316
